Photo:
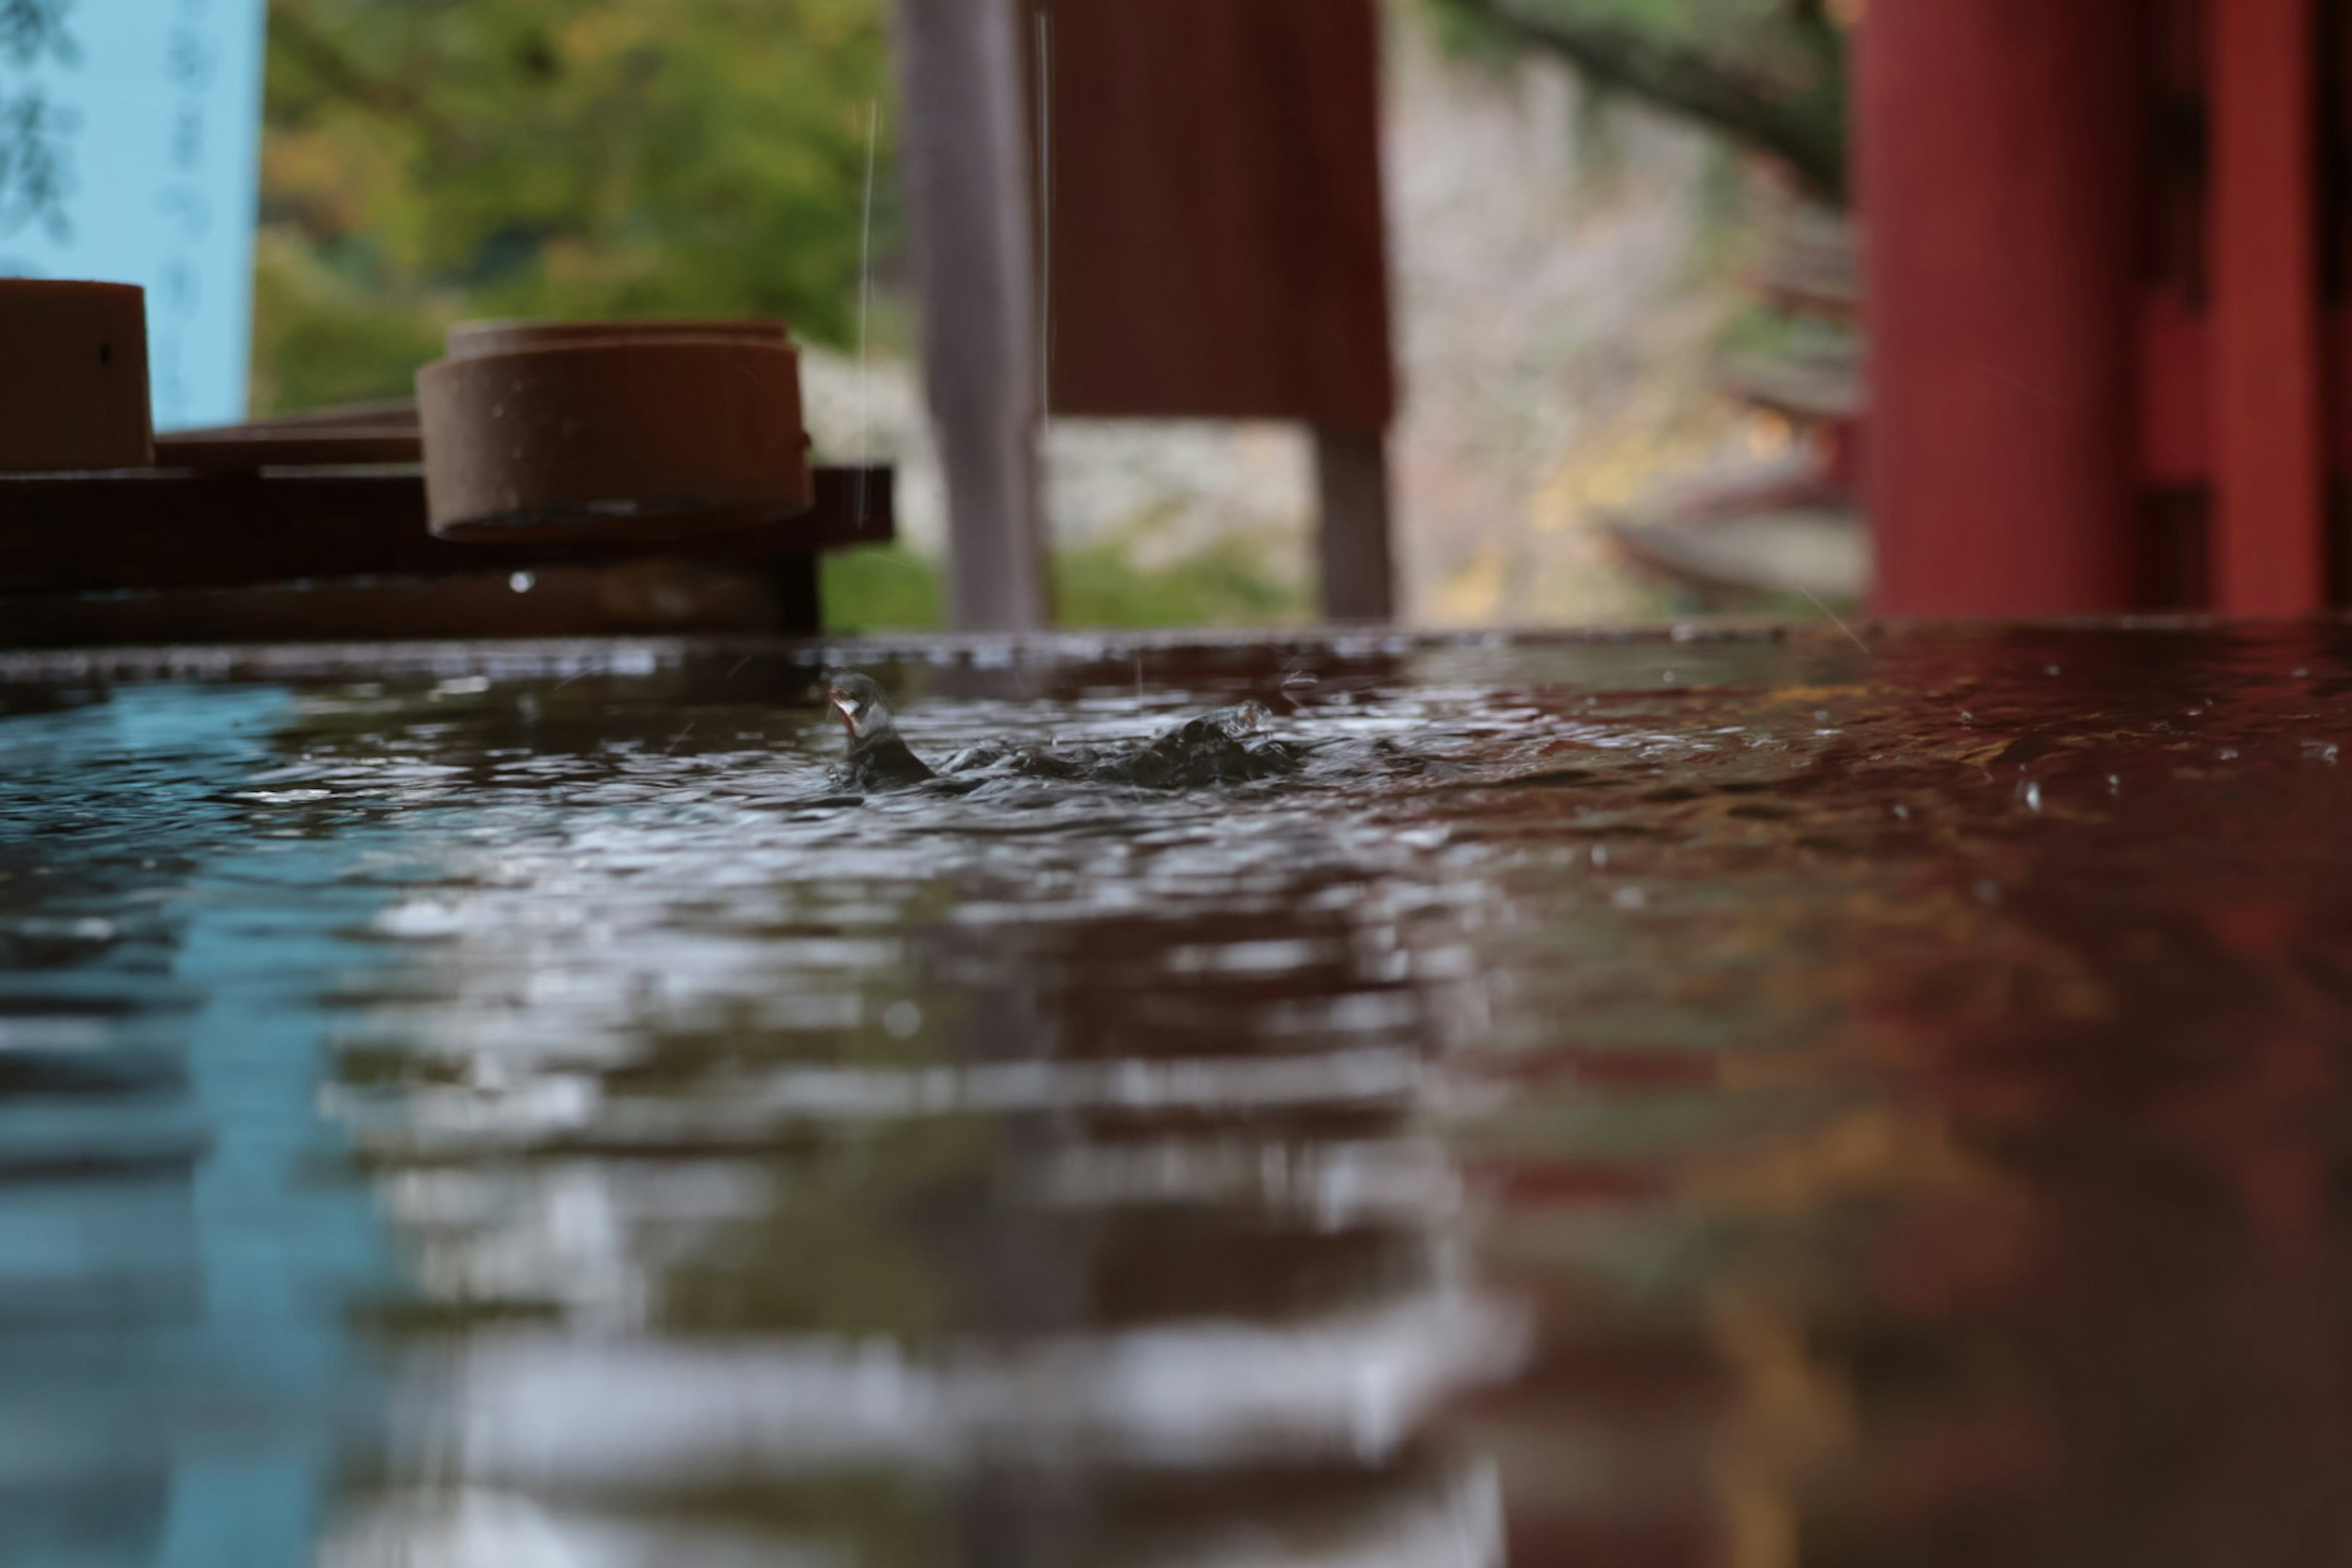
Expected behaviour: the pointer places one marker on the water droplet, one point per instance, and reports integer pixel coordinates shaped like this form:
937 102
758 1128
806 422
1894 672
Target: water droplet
1988 891
1600 854
2032 797
901 1019
522 581
1629 898
2051 670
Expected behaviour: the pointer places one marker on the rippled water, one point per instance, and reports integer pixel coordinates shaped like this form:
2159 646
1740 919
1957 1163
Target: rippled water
1746 1101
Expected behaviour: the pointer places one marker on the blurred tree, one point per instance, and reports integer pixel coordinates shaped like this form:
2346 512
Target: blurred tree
1769 74
424 160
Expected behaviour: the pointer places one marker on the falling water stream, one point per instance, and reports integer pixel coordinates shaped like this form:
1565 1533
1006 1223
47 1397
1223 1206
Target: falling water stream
1744 1100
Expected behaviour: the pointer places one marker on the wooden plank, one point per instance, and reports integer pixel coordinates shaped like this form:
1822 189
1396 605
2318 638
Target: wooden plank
2002 146
618 599
2269 482
144 529
379 415
246 451
1219 248
968 184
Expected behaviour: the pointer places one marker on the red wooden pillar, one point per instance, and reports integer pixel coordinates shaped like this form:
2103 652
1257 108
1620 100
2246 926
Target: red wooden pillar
2001 176
2270 550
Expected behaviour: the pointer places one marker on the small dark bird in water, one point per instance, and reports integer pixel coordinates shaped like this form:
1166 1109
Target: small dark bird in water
878 759
1225 746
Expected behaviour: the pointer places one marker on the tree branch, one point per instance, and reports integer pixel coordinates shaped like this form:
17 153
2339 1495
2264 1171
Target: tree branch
1812 145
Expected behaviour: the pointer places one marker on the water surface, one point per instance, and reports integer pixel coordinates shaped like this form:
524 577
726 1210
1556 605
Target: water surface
1741 1100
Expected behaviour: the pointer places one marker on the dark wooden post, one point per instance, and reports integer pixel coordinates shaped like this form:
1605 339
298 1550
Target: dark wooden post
966 158
2002 163
1353 561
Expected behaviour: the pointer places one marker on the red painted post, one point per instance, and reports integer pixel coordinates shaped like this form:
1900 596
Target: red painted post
2269 547
2002 173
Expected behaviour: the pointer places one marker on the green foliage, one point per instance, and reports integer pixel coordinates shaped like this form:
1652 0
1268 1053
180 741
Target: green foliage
891 588
1730 24
1228 581
1767 38
1233 580
1466 33
321 335
436 159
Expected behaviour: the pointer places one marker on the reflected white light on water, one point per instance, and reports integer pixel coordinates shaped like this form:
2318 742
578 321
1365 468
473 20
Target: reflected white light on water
1335 1183
440 1122
581 1411
1453 1521
480 1527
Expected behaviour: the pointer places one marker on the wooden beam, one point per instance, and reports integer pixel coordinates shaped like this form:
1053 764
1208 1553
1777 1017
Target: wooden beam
145 529
2270 545
625 599
966 156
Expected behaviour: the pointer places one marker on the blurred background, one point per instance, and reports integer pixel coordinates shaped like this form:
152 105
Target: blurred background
1621 285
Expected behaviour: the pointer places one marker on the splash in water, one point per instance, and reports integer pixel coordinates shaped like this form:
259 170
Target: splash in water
1226 745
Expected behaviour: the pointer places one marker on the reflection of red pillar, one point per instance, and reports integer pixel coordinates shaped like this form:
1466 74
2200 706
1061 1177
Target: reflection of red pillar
2000 166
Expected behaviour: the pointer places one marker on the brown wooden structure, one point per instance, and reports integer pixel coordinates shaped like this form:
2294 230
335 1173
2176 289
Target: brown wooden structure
332 507
1187 223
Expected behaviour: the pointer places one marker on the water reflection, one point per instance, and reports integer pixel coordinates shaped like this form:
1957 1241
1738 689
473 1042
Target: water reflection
1046 1159
173 1366
1724 1101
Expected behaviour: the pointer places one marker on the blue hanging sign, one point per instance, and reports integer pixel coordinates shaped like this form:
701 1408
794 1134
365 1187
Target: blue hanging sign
130 152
